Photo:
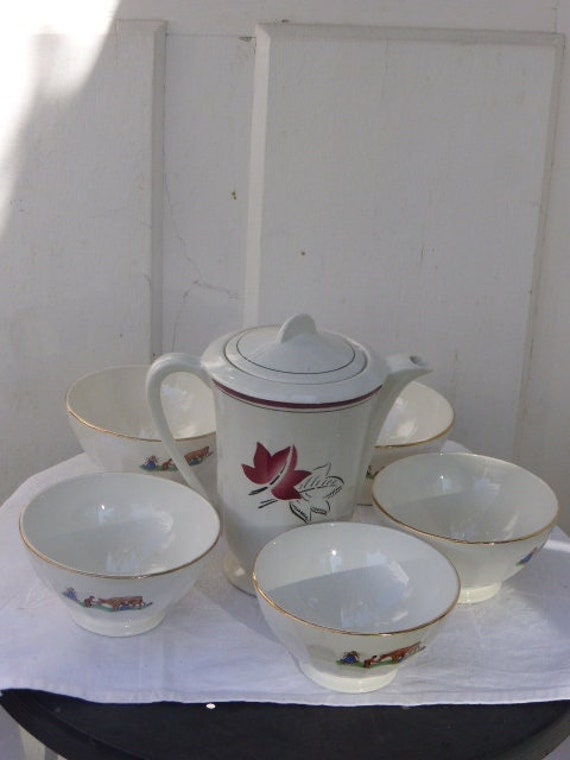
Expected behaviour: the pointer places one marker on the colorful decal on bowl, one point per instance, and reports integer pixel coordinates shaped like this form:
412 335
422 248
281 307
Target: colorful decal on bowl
197 457
112 604
527 558
153 464
390 658
307 492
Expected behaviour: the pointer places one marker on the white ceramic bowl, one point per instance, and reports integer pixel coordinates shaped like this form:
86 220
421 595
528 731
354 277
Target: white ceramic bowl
419 422
351 601
488 516
119 549
109 414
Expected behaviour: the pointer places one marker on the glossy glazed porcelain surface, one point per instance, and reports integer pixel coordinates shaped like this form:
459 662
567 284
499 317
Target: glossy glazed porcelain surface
352 601
297 412
488 516
119 549
419 422
109 414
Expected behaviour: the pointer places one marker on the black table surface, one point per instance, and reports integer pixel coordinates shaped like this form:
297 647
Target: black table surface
81 730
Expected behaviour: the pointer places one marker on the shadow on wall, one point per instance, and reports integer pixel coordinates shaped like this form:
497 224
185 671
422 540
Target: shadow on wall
75 238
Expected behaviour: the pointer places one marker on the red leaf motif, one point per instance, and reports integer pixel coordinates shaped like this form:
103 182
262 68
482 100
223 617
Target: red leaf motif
266 466
285 489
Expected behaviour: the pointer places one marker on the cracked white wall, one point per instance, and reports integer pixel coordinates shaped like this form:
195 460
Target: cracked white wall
207 134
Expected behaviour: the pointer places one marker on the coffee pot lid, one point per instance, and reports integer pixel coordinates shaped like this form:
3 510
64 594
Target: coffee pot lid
294 363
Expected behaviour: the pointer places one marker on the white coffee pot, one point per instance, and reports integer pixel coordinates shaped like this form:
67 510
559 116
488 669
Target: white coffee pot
297 413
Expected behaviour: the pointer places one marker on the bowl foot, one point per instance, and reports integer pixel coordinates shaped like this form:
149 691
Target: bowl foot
116 627
347 684
476 594
236 575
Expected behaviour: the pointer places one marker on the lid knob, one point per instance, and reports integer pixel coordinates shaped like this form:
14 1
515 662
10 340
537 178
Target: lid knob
300 324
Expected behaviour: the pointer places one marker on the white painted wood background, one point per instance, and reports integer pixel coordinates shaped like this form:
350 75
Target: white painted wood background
394 191
79 224
131 229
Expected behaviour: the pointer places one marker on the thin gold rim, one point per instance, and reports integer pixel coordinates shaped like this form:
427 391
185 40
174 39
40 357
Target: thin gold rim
385 634
421 442
113 433
461 541
108 576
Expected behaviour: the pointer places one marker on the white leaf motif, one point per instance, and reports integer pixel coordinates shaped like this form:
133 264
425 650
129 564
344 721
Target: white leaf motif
316 490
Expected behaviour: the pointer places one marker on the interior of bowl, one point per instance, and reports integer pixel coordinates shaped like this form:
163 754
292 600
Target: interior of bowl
419 414
356 578
119 524
114 400
465 497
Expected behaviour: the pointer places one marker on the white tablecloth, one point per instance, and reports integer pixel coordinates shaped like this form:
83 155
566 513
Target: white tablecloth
215 646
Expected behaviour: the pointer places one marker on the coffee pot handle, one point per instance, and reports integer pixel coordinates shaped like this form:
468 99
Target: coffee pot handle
158 372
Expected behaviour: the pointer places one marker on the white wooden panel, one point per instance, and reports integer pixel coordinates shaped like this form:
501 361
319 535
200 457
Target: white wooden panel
207 129
78 225
228 17
396 188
